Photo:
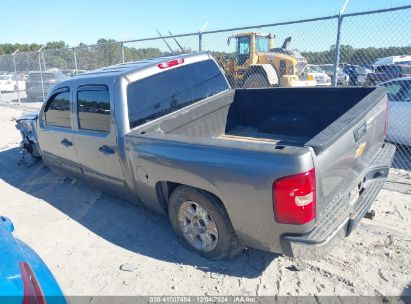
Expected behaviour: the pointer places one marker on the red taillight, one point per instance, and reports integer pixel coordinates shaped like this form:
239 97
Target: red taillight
386 118
294 198
170 63
32 290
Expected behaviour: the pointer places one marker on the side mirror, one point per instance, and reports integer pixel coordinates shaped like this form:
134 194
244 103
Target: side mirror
7 222
228 40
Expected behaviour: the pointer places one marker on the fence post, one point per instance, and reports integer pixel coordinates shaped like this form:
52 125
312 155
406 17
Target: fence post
41 73
15 74
338 42
75 61
337 50
200 41
122 52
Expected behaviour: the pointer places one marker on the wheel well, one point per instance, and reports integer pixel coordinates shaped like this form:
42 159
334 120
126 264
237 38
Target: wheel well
267 71
164 190
255 70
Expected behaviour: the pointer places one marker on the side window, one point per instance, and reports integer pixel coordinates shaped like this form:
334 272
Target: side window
283 67
399 91
57 110
244 46
93 106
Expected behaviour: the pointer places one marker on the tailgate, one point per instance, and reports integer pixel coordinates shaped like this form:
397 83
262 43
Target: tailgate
347 147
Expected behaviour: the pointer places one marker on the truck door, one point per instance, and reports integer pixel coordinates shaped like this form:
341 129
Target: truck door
95 137
55 133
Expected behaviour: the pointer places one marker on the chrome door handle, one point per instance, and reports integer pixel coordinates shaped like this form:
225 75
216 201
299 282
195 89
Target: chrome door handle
65 142
106 150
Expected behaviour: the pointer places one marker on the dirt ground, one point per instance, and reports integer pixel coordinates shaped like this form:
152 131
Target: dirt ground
96 244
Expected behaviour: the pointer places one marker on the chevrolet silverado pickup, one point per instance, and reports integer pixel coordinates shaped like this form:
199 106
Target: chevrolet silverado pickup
287 170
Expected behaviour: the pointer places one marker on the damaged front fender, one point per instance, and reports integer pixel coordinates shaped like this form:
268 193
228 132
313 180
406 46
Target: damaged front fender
27 127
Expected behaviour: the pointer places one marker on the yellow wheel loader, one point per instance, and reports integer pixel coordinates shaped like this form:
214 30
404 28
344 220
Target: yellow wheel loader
258 64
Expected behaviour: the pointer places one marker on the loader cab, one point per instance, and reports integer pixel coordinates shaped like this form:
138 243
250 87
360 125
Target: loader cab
243 49
248 45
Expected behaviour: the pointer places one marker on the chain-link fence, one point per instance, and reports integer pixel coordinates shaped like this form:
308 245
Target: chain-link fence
357 49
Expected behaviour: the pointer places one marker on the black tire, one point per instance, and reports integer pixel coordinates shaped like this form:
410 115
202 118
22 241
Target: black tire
256 81
369 83
228 245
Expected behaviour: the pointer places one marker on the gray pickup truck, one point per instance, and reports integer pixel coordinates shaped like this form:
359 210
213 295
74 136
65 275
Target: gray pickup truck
287 170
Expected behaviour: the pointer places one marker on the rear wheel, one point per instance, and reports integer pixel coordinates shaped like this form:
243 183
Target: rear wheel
256 81
202 224
369 83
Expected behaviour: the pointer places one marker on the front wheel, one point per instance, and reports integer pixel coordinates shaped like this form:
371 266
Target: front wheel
202 224
256 81
369 83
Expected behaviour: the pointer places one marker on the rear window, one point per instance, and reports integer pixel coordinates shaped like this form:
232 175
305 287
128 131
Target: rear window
168 91
406 69
392 70
36 77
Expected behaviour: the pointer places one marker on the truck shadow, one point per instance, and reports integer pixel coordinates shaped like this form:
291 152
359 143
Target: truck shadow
122 223
406 294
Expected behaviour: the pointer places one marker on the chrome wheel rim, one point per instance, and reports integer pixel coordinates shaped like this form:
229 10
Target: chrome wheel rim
198 226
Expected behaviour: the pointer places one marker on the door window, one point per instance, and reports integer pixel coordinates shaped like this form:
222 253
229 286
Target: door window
399 90
57 110
243 49
283 67
93 106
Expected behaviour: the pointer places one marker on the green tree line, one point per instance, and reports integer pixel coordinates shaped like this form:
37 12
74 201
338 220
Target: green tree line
56 54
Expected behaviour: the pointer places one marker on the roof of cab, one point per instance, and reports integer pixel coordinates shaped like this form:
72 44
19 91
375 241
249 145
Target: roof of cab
125 69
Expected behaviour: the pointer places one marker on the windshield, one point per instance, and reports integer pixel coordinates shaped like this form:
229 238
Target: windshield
329 68
406 69
314 69
4 77
399 90
261 44
36 77
362 70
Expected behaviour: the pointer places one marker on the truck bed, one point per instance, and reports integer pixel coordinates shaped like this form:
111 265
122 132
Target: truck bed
279 116
236 143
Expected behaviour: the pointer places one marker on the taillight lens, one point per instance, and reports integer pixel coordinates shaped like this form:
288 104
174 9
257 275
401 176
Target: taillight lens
170 63
32 290
386 118
294 198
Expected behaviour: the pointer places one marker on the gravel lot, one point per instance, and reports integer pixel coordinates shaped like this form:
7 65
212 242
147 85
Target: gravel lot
96 244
